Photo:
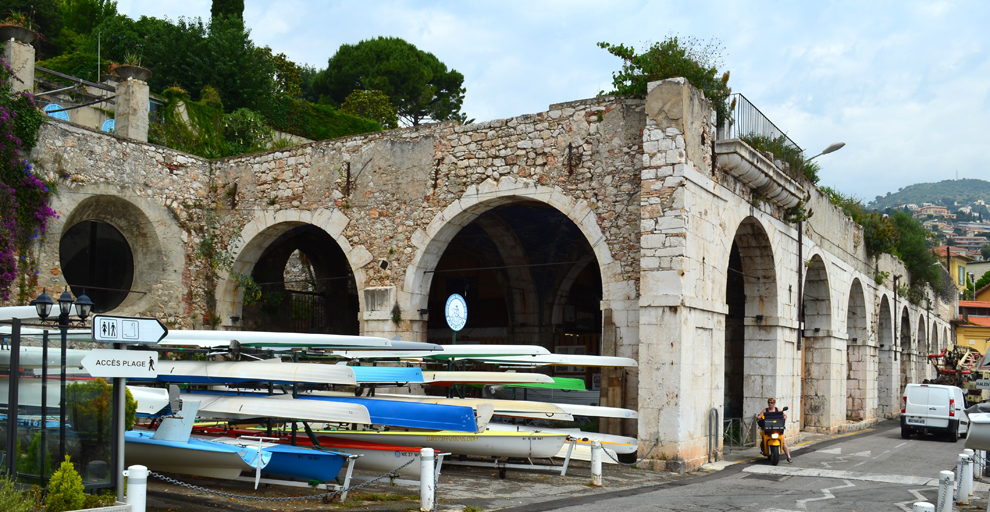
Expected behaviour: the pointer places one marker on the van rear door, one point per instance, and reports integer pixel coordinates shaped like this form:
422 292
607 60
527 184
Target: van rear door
916 405
938 407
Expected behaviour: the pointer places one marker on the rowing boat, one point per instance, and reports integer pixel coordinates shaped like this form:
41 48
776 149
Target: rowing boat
504 408
489 443
448 352
269 370
444 378
616 445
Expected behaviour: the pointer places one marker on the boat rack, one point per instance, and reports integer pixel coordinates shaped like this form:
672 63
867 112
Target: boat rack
502 467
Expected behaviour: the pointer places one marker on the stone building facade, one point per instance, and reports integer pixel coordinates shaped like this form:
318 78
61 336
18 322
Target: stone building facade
688 248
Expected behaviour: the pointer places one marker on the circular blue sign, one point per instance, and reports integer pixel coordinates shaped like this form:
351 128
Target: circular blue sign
456 312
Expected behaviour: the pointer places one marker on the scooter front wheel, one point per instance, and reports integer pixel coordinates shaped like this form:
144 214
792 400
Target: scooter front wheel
774 455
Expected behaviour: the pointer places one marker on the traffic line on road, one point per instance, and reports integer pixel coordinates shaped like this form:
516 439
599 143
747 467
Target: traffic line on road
827 494
908 506
842 475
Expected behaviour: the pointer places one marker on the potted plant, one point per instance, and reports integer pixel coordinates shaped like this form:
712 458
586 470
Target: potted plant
131 68
18 27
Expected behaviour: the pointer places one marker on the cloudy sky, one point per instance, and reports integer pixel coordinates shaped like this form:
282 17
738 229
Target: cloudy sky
904 84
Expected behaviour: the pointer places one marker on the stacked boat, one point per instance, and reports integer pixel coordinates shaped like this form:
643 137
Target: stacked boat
269 417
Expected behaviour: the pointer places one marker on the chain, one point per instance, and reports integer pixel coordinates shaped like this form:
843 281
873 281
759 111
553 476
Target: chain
327 496
630 463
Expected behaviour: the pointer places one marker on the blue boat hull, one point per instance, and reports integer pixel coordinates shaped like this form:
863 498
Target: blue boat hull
303 463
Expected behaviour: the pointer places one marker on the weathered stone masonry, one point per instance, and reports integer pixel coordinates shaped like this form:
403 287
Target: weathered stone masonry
635 176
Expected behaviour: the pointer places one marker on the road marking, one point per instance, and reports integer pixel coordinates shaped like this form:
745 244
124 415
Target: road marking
843 475
860 454
900 445
834 451
827 494
907 506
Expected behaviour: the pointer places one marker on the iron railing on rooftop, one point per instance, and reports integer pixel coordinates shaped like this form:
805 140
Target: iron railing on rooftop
748 120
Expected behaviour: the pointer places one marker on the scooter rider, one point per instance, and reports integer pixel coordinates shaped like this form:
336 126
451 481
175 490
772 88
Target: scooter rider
772 407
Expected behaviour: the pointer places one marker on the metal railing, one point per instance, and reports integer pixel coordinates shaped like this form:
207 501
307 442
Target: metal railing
745 120
738 433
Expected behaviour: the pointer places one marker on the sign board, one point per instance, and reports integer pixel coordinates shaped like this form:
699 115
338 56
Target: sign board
456 312
983 364
982 383
121 363
121 329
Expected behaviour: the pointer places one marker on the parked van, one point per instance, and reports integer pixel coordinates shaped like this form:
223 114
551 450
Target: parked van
933 408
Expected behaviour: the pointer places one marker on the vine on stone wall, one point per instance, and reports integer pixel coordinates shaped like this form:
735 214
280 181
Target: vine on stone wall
24 210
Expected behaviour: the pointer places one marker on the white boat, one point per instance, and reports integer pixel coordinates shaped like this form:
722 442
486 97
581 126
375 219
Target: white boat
560 360
449 352
448 378
504 408
262 339
615 445
269 370
245 407
555 396
598 411
489 443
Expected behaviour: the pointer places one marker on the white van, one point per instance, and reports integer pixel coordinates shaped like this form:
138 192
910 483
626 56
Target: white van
933 408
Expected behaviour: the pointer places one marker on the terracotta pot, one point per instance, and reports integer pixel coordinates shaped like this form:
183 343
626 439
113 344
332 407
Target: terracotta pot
125 71
18 33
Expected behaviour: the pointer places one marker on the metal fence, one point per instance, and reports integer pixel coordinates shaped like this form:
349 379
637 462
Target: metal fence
738 433
746 120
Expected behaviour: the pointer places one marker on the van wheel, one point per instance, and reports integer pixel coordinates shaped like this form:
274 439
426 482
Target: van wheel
905 433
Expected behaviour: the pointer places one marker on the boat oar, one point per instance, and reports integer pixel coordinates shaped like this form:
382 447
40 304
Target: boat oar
257 466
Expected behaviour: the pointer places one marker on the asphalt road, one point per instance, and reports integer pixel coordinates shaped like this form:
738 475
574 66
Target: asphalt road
870 471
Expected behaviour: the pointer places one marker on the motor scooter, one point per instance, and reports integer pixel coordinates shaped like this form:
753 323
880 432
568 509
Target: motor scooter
772 426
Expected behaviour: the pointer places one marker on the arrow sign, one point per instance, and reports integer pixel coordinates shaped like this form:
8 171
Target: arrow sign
122 329
121 363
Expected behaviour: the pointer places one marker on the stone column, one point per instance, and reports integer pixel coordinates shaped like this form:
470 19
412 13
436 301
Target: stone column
20 57
131 110
824 383
861 381
888 384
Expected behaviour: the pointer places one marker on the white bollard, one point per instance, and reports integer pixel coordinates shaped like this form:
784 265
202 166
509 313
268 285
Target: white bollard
946 481
961 497
427 499
966 484
137 488
596 463
924 506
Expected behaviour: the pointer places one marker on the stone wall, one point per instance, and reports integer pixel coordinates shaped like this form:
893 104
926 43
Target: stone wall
639 178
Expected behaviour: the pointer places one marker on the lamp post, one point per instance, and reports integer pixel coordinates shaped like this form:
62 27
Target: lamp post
43 306
831 149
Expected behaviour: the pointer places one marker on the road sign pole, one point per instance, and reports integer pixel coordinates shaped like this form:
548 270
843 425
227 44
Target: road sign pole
119 409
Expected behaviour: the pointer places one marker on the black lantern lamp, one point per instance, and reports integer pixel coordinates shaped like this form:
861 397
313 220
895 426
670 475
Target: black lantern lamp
65 302
84 306
43 305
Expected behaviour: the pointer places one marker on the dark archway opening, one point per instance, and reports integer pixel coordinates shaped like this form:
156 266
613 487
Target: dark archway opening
306 285
96 259
529 276
735 336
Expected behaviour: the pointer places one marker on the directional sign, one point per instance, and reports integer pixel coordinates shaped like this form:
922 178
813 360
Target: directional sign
121 329
982 383
983 364
121 363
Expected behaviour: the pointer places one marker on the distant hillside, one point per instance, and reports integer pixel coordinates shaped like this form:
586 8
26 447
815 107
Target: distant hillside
965 191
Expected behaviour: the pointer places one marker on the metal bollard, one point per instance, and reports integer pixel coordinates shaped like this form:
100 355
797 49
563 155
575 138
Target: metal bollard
596 463
966 484
137 488
946 481
427 501
924 506
960 496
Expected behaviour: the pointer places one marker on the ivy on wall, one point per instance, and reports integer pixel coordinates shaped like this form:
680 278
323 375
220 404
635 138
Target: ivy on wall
24 210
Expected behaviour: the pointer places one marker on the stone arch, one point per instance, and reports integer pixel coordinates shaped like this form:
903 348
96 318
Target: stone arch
907 347
266 227
565 286
751 358
478 199
887 378
137 220
860 355
823 402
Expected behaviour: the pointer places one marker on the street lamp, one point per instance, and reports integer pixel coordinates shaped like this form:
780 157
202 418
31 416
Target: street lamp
43 305
834 147
84 306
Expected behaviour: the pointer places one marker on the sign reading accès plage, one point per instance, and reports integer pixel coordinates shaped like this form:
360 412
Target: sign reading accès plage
121 363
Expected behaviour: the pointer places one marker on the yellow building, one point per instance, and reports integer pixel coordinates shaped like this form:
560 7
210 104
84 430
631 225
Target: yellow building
973 326
956 264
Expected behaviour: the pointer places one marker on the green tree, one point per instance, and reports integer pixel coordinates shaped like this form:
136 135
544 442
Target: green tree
372 105
227 8
985 252
44 18
913 250
671 58
65 489
982 281
418 85
287 75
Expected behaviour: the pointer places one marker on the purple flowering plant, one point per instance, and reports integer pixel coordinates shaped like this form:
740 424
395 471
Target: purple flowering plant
24 197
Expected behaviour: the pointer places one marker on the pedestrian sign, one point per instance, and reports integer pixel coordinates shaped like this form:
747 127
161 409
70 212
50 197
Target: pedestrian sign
121 363
120 329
